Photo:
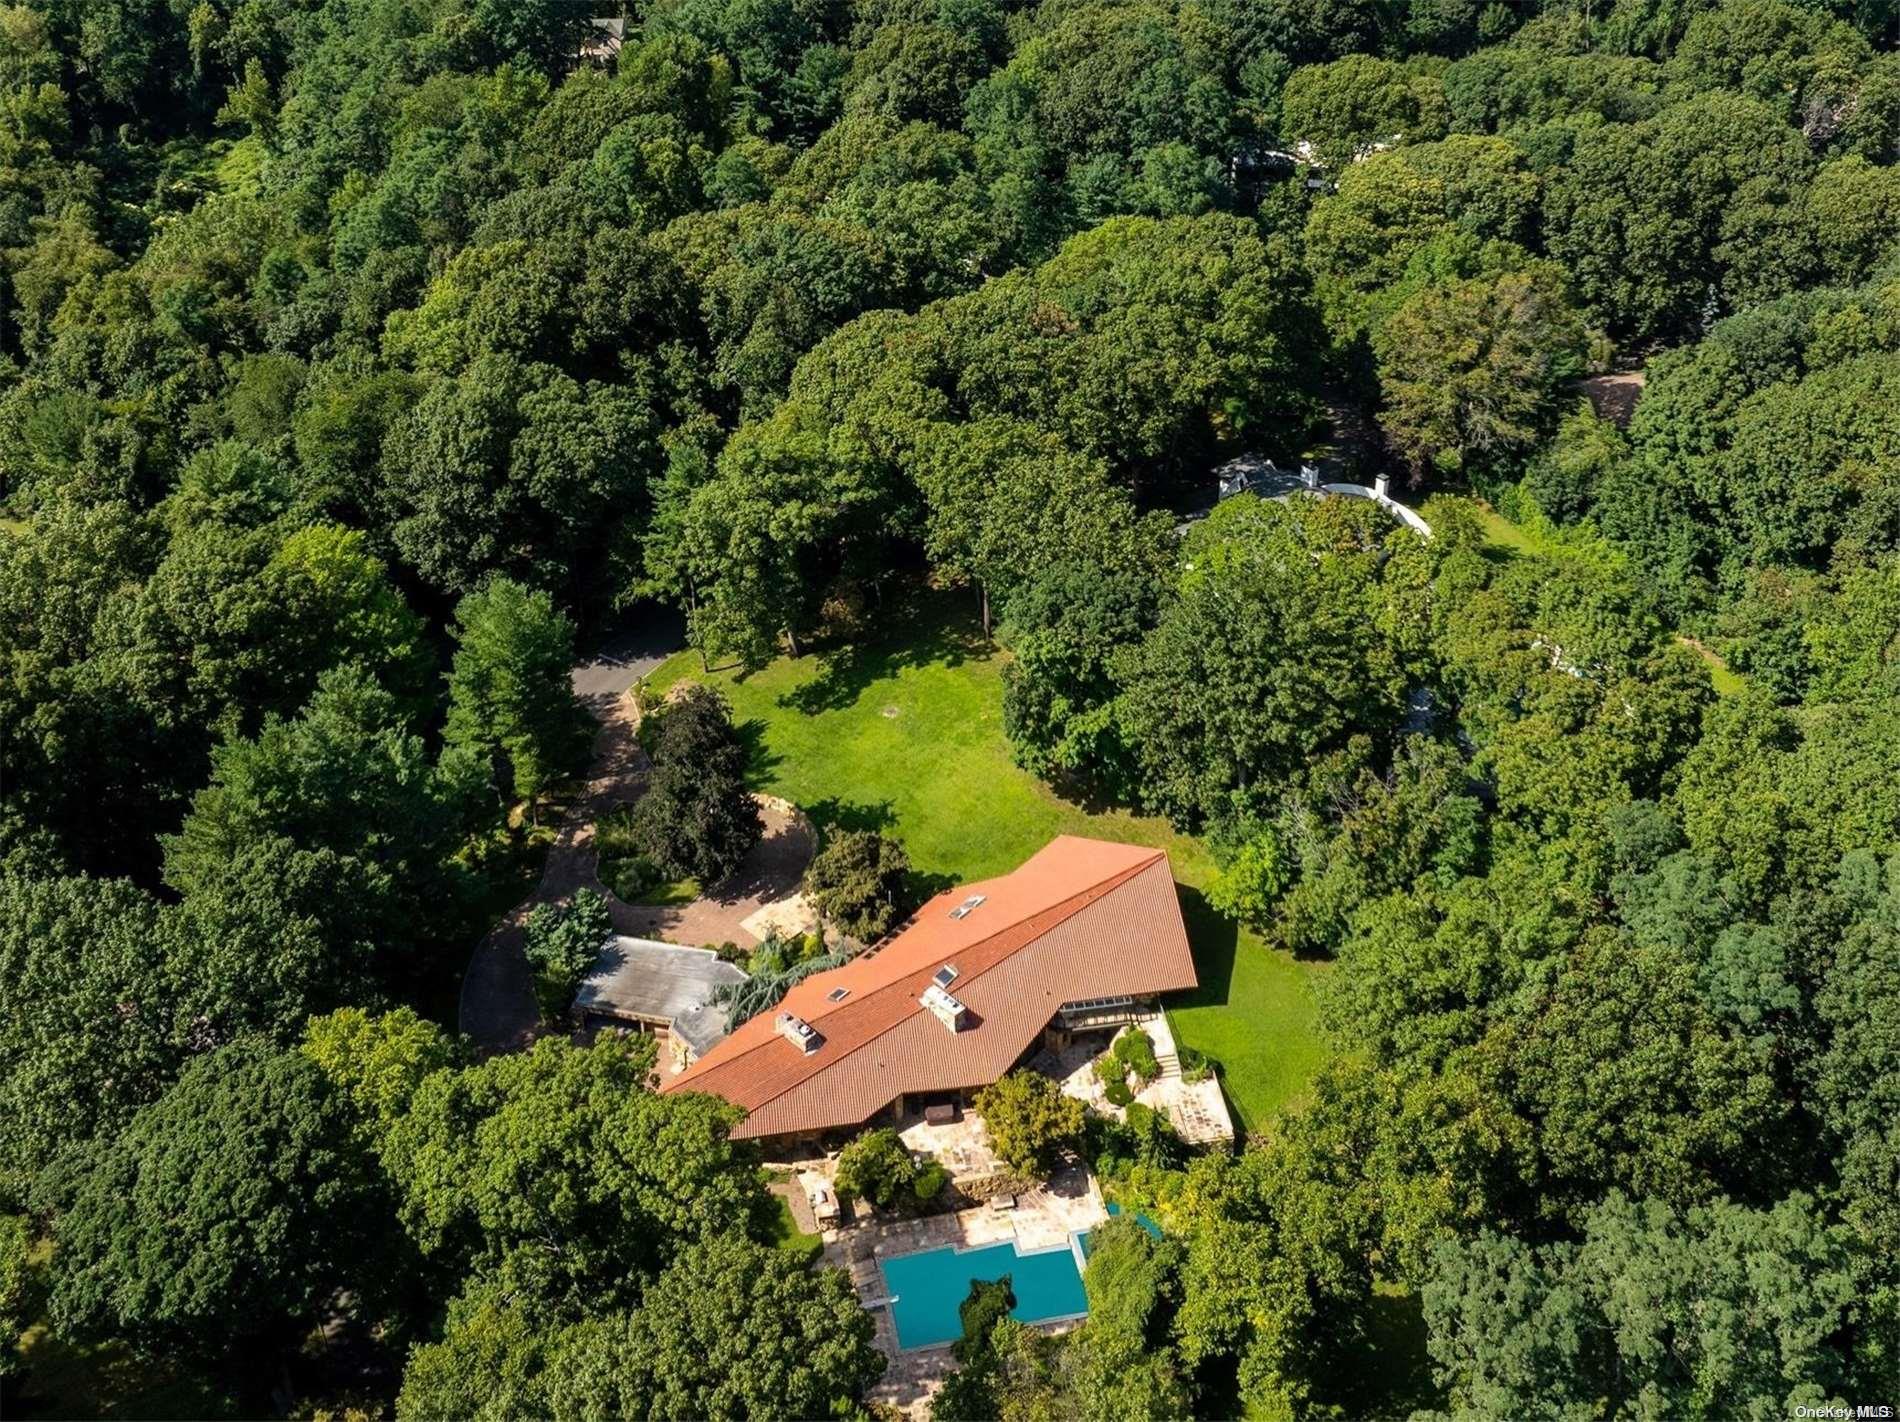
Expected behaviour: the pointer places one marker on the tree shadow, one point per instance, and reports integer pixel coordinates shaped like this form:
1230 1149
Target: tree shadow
832 813
760 759
1384 1369
1091 794
923 887
926 628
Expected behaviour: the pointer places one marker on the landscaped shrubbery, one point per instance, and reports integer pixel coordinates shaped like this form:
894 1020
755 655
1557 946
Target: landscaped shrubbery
1136 1049
1197 1066
1132 1056
563 942
629 873
877 1166
929 1182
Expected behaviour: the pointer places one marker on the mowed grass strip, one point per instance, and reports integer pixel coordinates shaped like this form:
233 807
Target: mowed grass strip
906 736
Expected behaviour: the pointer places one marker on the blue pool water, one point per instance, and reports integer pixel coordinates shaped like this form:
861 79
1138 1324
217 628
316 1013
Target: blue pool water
928 1287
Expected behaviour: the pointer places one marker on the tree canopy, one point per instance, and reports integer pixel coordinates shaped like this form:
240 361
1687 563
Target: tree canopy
365 363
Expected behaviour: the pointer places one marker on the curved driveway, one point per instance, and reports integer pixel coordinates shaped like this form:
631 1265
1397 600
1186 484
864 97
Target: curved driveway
498 1008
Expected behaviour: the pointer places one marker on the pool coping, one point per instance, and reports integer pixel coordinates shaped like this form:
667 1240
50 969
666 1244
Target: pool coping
1070 1247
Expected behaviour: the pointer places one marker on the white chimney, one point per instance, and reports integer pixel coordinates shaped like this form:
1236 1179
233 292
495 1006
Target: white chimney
945 1008
798 1032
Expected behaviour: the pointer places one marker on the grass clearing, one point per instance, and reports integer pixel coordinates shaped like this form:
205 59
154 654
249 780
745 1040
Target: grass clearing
1500 532
786 1234
1531 542
907 736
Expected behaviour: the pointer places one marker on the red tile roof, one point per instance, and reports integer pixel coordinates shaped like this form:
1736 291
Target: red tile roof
1082 918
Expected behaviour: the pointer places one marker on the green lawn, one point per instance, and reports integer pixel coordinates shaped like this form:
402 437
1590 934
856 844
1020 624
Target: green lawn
786 1234
1500 532
908 737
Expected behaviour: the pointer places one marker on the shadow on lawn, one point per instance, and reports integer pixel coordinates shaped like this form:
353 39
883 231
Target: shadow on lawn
835 814
760 759
925 630
832 813
1215 939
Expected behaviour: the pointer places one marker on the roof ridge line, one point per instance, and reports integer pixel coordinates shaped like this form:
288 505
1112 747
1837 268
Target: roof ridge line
1112 881
1106 886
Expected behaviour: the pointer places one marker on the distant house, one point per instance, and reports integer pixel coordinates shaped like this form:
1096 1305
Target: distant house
659 988
601 41
1085 933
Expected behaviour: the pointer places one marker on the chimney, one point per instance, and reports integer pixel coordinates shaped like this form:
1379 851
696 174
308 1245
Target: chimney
945 1008
798 1032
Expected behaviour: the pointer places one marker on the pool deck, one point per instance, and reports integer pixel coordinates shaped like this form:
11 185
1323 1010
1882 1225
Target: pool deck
1044 1218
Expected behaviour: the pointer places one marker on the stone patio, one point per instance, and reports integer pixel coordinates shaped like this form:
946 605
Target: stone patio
962 1146
1197 1110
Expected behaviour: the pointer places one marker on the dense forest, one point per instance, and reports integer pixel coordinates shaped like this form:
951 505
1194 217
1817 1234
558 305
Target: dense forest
359 358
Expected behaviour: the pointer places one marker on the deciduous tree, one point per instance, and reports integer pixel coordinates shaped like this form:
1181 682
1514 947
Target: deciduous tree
858 882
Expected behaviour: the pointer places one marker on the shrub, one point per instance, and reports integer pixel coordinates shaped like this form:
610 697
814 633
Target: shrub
1197 1066
1136 1049
1119 1094
1110 1069
876 1167
930 1182
563 940
631 878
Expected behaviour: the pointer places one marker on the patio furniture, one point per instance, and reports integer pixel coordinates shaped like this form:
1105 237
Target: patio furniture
1002 1202
943 1114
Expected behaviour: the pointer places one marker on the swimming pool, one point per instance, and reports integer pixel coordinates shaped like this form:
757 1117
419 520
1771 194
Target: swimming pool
926 1288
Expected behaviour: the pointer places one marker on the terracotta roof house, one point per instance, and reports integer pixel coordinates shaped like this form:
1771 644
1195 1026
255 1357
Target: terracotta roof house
1081 933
